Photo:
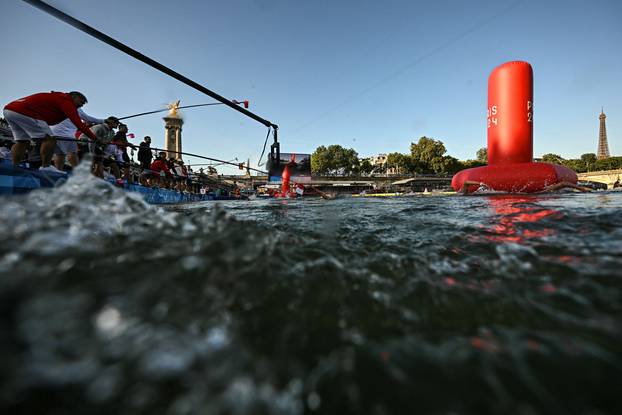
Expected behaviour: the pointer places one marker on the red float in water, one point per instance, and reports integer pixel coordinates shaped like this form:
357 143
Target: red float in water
285 181
510 139
285 178
510 114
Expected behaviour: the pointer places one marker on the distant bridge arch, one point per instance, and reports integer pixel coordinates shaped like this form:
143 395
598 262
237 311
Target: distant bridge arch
608 177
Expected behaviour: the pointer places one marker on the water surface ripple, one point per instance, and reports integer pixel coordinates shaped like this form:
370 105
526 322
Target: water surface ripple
487 304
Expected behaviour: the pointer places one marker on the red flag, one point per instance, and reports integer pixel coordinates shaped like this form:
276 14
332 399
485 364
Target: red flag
245 102
130 135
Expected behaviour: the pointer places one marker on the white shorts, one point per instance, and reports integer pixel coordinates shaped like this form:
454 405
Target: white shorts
25 128
66 145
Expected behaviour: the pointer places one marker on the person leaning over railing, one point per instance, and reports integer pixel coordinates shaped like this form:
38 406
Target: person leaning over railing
30 119
83 145
67 146
103 135
115 151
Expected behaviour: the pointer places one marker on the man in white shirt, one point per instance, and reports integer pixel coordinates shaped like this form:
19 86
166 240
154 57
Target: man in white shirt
104 133
68 146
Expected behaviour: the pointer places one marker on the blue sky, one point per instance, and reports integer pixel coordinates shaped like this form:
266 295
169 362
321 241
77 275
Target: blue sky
370 75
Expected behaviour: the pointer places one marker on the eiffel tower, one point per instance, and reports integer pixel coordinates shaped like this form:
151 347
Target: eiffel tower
603 146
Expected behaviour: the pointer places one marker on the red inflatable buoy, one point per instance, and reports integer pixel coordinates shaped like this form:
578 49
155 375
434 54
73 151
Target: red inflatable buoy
285 177
510 138
285 181
513 178
510 114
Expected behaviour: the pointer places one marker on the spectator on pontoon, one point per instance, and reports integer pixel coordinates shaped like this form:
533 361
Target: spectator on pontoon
175 169
181 175
144 153
5 149
121 143
67 144
160 170
144 158
112 159
185 171
83 145
171 164
30 119
103 133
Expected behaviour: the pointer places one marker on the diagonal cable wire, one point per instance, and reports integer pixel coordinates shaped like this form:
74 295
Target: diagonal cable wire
405 68
259 163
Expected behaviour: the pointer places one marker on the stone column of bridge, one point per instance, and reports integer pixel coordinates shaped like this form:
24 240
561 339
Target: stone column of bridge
172 142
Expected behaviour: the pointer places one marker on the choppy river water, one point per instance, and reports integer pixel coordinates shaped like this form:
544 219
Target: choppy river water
486 304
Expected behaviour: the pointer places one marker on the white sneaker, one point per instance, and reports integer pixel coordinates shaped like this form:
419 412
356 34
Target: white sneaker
51 169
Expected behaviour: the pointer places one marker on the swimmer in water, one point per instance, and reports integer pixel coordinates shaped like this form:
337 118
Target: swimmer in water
564 185
551 188
480 187
323 195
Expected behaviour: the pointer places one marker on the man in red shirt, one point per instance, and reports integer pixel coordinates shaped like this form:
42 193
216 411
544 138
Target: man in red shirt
30 119
162 174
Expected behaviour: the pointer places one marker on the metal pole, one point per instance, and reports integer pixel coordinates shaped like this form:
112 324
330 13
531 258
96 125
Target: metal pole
137 55
276 144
